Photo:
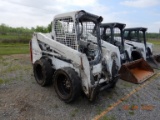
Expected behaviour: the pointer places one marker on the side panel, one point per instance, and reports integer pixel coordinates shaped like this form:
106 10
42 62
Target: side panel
61 49
140 47
36 51
79 61
128 48
150 46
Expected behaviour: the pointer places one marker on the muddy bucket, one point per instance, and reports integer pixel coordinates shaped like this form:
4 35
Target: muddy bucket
136 71
154 61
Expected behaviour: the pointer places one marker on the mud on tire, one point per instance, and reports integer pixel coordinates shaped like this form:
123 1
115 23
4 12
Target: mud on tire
67 84
43 72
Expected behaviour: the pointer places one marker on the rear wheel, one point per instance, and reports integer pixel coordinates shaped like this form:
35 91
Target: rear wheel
136 55
67 84
43 72
114 74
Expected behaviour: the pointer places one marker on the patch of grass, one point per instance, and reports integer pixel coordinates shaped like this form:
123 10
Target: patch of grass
137 95
99 109
73 113
110 96
125 100
7 49
131 112
108 118
56 106
1 57
109 105
155 42
2 81
11 69
5 63
127 84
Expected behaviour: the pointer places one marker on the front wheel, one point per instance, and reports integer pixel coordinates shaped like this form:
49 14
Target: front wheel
67 84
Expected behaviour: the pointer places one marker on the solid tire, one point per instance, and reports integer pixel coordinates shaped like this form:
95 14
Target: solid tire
114 72
43 72
67 84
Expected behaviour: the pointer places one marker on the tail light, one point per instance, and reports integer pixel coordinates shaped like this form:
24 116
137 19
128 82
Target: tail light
31 56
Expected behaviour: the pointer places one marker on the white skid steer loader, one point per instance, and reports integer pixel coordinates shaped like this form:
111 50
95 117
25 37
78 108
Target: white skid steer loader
72 60
137 38
133 70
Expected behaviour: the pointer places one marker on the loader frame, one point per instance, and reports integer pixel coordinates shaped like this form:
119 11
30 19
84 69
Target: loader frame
72 51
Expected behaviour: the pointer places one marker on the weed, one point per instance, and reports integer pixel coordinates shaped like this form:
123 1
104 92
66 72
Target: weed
33 82
11 69
110 96
56 106
5 63
133 107
125 100
4 81
1 81
126 84
73 113
119 109
131 112
108 118
109 105
99 110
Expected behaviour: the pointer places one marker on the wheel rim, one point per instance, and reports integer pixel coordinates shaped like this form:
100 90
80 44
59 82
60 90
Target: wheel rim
64 85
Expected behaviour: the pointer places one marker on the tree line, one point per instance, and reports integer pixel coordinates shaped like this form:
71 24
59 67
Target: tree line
10 34
5 29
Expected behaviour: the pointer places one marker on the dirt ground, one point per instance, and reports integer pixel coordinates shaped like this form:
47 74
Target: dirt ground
21 98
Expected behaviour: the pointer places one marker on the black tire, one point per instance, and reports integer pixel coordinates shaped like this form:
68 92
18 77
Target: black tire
114 73
43 72
67 84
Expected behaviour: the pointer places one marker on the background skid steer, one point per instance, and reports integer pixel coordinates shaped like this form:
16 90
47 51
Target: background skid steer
134 70
137 38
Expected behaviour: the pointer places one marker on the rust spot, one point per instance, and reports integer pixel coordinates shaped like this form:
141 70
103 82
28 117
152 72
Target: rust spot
136 71
147 107
134 107
125 107
140 74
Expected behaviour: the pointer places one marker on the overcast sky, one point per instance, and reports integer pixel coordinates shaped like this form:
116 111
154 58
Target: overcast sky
30 13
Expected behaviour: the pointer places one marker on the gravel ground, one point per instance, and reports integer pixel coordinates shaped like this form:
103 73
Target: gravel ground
22 98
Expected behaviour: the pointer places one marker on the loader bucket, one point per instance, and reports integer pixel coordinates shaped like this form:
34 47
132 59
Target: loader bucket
136 72
154 61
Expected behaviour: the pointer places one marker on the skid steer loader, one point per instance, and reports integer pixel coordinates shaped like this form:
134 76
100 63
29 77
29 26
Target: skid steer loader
137 38
136 71
72 59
